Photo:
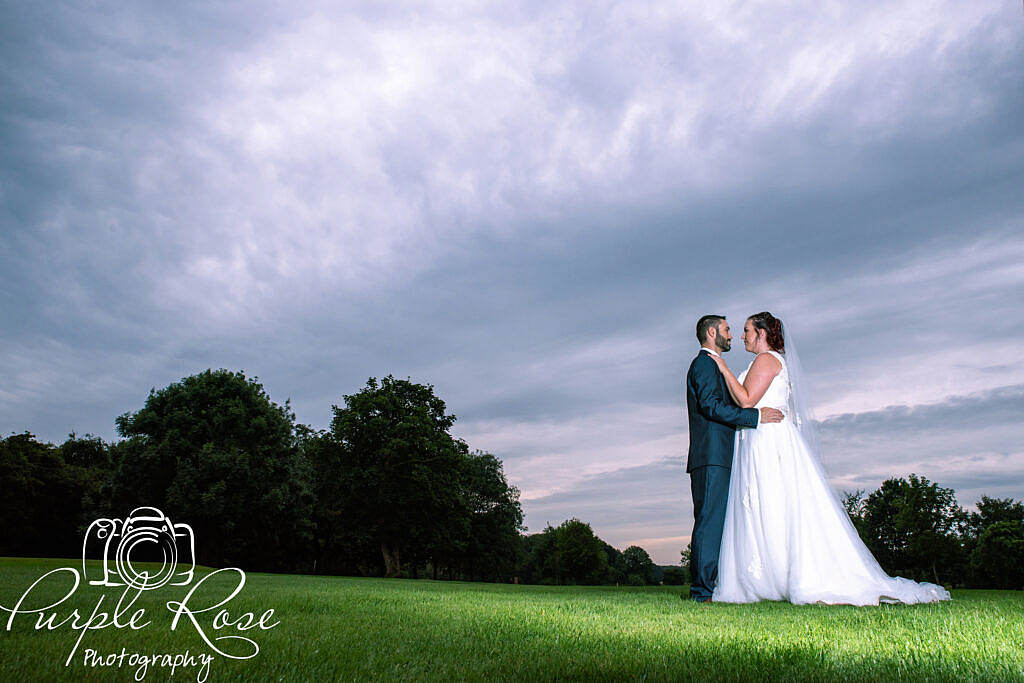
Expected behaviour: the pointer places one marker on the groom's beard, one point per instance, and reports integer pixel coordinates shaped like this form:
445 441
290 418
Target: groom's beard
723 344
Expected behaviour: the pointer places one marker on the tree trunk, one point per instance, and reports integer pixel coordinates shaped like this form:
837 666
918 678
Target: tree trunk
433 568
391 563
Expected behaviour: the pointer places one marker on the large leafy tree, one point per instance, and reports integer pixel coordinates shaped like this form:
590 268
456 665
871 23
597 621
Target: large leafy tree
48 493
913 527
214 451
675 576
638 565
581 555
89 457
616 570
567 554
402 472
998 558
539 558
38 502
995 543
684 561
495 519
994 510
341 544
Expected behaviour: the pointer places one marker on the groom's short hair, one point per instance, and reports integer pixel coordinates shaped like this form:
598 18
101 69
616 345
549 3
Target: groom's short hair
705 324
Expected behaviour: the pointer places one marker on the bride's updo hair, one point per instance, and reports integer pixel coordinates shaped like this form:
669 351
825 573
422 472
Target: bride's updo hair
773 327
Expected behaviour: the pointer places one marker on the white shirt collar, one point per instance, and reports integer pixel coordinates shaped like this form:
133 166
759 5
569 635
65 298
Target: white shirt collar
711 351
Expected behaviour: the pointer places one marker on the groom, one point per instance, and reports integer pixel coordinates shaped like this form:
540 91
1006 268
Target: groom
714 417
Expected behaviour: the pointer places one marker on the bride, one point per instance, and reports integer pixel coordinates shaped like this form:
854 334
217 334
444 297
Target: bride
787 536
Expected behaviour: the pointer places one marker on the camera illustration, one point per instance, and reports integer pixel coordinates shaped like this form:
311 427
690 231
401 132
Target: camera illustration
146 535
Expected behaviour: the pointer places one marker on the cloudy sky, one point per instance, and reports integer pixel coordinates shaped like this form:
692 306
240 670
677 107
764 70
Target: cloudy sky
527 205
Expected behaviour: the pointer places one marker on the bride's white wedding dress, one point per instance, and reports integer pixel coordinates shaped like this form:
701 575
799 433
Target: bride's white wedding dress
786 535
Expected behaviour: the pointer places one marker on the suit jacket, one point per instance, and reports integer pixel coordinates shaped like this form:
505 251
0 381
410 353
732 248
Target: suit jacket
713 415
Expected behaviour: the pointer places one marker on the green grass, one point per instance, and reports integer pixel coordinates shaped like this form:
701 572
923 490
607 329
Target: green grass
344 628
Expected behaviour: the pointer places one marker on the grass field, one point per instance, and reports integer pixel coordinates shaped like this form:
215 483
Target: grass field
343 628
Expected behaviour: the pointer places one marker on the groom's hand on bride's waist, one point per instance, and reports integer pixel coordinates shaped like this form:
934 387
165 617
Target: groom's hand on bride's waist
770 415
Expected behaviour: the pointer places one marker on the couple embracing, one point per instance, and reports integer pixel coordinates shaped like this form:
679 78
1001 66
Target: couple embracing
767 525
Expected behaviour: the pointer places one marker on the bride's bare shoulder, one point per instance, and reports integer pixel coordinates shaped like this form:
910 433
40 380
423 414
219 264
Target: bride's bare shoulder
766 362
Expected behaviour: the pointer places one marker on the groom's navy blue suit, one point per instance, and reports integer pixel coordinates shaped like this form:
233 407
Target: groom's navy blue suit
714 417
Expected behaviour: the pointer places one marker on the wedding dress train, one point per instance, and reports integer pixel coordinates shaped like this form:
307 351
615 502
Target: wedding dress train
786 535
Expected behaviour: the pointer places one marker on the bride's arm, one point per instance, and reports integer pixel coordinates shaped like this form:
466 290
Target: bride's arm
760 375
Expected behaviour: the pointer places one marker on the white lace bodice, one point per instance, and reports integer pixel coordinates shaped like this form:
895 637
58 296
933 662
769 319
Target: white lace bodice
777 394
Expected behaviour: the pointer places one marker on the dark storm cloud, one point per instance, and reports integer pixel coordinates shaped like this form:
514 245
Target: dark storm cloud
998 407
527 206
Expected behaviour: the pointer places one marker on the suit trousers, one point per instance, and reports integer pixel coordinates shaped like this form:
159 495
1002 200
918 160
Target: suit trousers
710 488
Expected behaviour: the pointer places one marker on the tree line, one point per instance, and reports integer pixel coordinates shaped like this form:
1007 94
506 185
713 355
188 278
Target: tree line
386 490
572 554
916 529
